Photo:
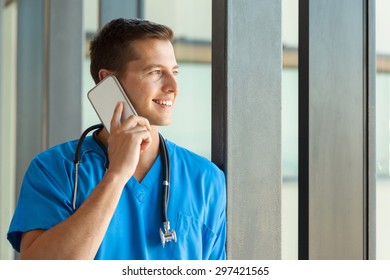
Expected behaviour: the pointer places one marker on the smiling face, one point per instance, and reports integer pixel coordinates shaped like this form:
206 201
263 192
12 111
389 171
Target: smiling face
150 80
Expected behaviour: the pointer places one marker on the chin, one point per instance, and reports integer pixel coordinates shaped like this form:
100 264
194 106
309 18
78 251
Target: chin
163 123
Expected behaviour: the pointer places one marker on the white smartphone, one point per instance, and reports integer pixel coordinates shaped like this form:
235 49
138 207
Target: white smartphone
105 96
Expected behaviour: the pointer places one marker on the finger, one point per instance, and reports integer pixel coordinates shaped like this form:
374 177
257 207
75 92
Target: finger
136 129
133 121
116 116
146 141
140 133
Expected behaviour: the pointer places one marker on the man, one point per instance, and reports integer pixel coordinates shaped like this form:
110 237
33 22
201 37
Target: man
118 212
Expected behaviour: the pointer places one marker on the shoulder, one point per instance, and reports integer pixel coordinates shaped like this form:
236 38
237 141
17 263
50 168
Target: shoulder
61 157
66 151
53 164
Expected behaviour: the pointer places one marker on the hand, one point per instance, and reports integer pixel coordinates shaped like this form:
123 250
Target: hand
127 140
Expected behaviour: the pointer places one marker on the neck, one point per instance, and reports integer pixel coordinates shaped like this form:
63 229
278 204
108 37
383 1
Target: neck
147 157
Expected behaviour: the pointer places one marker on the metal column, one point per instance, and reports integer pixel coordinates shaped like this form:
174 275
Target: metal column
336 129
246 125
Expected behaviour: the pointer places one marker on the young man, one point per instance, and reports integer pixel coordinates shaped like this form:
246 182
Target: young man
118 212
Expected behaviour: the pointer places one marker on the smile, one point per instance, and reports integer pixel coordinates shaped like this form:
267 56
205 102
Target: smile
168 103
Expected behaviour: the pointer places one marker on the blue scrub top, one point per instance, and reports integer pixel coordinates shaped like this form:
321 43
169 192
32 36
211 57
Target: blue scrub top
196 208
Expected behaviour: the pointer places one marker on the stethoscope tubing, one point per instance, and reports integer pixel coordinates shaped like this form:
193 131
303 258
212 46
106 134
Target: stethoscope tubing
166 179
77 160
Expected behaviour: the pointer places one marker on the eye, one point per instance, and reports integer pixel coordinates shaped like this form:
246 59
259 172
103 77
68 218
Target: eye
175 72
156 72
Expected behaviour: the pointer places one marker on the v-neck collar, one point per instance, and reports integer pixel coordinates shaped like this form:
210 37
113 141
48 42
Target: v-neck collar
151 180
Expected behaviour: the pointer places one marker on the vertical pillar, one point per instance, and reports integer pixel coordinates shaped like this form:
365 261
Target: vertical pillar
246 119
336 135
30 84
65 61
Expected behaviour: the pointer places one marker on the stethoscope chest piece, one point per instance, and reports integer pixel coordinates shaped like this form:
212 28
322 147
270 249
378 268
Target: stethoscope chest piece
167 235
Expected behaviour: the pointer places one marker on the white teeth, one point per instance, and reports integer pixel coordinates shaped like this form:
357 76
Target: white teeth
164 102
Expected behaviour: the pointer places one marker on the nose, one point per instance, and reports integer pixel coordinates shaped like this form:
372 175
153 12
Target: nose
170 83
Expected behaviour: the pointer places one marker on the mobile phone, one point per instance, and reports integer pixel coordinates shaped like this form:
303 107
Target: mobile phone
105 96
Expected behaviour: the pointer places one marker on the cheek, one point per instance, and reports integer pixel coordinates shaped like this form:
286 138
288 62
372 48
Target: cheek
134 93
140 101
140 93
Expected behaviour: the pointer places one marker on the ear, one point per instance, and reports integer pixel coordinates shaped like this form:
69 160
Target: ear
104 73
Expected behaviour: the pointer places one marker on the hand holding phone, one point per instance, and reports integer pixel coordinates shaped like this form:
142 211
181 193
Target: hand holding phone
105 96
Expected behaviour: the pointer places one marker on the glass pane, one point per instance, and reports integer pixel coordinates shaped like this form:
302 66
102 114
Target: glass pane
91 24
383 129
290 130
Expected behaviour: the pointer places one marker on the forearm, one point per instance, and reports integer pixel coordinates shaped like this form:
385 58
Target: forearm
79 236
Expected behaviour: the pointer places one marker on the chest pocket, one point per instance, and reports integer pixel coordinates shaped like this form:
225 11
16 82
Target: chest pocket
194 239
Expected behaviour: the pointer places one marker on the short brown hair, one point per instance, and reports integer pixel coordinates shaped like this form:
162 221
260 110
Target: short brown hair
111 48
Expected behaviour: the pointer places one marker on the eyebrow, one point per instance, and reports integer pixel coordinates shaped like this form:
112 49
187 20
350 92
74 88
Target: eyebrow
152 66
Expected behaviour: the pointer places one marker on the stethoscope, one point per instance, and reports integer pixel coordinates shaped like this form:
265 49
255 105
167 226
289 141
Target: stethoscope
166 234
